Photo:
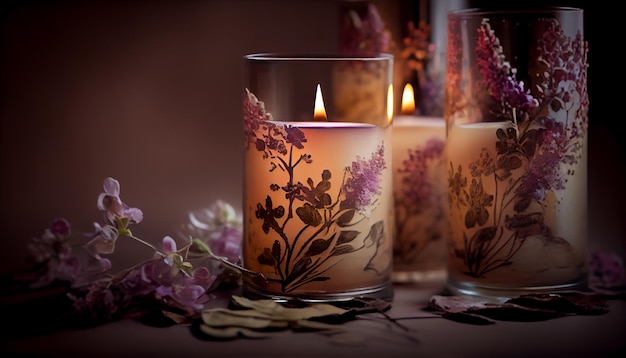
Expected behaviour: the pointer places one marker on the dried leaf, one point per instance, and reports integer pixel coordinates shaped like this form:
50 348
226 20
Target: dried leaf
265 306
456 304
225 318
566 302
525 308
257 318
232 332
177 317
513 312
279 312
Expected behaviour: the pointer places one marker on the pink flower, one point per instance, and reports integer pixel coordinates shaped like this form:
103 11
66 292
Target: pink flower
110 202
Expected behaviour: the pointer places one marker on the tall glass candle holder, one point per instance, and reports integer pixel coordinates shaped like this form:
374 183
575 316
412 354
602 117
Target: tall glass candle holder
516 111
318 201
420 195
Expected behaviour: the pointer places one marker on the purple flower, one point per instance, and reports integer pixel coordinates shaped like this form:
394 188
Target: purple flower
364 182
61 227
166 266
134 284
563 75
227 243
101 302
607 273
54 255
417 188
173 277
497 74
218 226
543 172
189 291
110 202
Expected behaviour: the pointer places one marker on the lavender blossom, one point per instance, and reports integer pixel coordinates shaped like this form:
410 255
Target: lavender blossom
417 189
364 181
498 76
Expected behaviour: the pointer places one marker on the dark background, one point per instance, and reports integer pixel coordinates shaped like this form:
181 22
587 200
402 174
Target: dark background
149 92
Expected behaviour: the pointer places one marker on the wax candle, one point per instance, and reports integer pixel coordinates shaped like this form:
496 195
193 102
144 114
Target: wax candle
472 151
420 187
318 200
331 147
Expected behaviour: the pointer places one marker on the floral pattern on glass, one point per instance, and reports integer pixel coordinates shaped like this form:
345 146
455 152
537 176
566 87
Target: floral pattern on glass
419 217
535 152
322 217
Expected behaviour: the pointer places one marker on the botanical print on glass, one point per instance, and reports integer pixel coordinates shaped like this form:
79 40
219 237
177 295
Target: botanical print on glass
517 155
420 201
314 204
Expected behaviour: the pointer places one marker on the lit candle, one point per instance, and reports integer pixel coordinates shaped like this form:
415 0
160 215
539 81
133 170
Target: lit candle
420 187
329 237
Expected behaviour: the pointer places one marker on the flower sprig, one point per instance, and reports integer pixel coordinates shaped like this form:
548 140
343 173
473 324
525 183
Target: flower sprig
177 279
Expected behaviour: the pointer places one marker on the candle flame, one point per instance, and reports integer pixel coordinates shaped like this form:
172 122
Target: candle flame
390 103
408 100
319 113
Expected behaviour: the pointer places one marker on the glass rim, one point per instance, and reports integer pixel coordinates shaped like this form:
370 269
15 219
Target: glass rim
277 56
479 11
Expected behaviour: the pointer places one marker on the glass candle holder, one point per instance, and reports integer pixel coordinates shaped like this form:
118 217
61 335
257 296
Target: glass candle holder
318 201
420 195
516 112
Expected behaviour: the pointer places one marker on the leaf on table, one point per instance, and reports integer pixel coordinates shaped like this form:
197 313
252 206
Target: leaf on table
226 318
279 312
232 332
525 308
513 312
256 318
266 306
567 302
462 303
177 317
